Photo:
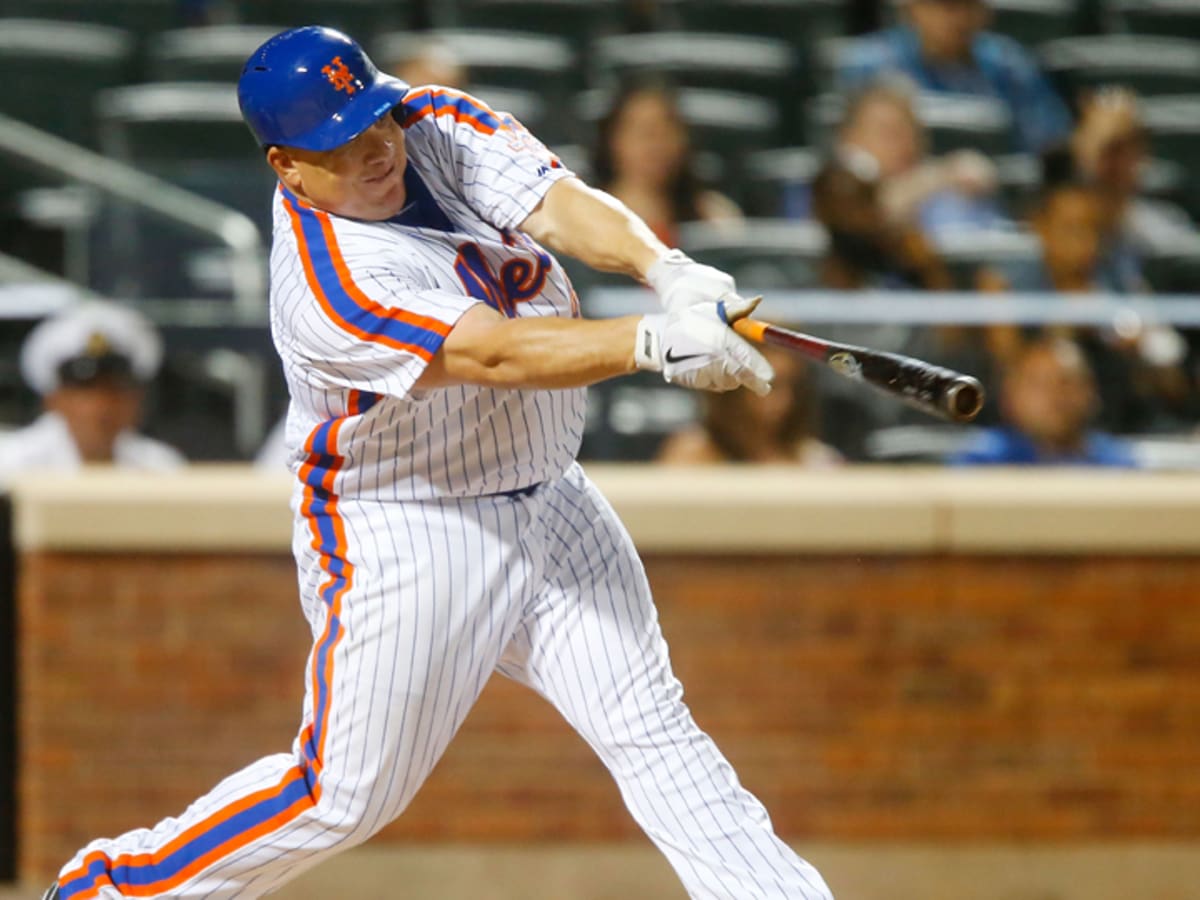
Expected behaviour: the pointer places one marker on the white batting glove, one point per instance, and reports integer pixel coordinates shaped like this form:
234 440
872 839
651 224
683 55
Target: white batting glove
680 281
695 347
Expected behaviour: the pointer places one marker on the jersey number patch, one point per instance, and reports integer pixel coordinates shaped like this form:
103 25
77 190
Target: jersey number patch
518 280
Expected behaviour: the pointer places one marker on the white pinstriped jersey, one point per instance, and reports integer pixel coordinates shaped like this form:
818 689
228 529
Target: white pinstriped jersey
358 309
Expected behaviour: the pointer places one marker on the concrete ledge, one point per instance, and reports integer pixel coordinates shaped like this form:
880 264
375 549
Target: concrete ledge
725 509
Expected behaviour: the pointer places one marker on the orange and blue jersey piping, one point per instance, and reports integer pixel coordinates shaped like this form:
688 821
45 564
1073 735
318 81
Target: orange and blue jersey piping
340 297
257 815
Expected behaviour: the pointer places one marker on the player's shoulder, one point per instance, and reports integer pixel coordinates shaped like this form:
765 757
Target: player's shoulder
434 106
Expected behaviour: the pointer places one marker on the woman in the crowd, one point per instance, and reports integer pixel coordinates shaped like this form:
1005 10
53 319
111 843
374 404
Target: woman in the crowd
950 193
643 157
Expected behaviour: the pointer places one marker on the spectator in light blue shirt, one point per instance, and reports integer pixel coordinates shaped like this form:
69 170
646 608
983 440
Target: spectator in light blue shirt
943 48
1048 402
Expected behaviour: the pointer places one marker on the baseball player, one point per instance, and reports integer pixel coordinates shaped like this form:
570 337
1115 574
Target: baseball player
436 360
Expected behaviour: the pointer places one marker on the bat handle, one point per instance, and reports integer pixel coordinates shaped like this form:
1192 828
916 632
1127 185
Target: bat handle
750 329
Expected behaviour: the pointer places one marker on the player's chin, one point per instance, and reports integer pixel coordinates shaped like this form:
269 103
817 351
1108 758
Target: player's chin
385 197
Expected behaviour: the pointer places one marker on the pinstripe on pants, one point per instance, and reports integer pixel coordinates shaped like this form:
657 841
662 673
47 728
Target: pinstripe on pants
435 595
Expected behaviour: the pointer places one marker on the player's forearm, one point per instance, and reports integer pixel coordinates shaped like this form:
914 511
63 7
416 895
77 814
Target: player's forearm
595 228
541 353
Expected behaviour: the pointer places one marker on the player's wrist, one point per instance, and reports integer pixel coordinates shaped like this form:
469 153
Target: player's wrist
665 269
647 345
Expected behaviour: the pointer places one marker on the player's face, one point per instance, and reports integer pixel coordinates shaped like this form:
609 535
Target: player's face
362 179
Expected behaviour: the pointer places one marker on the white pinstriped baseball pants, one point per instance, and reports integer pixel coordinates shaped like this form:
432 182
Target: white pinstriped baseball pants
412 607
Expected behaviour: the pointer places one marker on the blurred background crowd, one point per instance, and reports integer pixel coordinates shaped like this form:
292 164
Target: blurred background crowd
1034 162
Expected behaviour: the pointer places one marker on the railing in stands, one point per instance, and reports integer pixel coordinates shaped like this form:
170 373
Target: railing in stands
43 151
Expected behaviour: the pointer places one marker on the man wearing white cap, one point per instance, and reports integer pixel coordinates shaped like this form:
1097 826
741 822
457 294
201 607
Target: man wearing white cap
90 364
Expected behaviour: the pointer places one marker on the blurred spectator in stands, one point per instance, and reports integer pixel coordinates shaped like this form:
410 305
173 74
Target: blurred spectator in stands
943 47
740 427
1069 220
91 365
643 157
866 249
952 193
430 61
1110 148
1048 402
1139 368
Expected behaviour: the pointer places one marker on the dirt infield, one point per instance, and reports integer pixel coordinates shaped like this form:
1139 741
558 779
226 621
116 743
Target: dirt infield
855 872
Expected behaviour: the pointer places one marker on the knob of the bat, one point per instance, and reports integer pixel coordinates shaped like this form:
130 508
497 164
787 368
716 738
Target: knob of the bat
964 399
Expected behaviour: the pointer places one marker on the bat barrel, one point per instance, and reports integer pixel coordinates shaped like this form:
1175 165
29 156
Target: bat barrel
963 399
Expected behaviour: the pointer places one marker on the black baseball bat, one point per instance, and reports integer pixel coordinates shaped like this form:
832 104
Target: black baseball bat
931 389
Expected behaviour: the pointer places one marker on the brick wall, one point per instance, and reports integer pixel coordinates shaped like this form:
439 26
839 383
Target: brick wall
906 698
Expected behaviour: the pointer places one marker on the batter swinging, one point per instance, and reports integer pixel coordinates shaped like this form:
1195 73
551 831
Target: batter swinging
436 362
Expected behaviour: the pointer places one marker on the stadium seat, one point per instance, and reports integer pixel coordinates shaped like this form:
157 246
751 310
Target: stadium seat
214 53
761 254
190 134
1148 65
766 67
56 68
1034 22
1174 125
578 21
535 63
953 122
800 22
361 19
141 17
1166 18
966 253
776 182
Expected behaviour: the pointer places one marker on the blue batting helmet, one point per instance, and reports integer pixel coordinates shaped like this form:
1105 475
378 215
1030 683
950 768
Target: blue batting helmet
313 88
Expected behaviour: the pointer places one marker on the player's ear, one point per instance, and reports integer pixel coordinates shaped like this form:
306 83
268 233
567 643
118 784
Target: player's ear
284 164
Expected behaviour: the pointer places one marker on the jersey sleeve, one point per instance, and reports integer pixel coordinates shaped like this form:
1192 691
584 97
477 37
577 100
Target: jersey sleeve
372 327
502 170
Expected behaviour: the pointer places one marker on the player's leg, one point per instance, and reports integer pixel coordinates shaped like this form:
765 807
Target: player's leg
592 645
415 605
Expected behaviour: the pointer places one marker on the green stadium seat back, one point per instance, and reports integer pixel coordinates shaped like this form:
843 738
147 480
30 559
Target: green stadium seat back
766 67
578 21
215 53
1148 65
1174 271
770 178
761 254
1034 22
967 252
56 68
141 17
361 19
528 62
800 22
1165 18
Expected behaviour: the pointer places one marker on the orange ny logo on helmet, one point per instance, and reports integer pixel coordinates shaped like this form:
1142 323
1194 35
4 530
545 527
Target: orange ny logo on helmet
339 76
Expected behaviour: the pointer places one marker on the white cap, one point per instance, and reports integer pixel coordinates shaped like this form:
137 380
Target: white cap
90 329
